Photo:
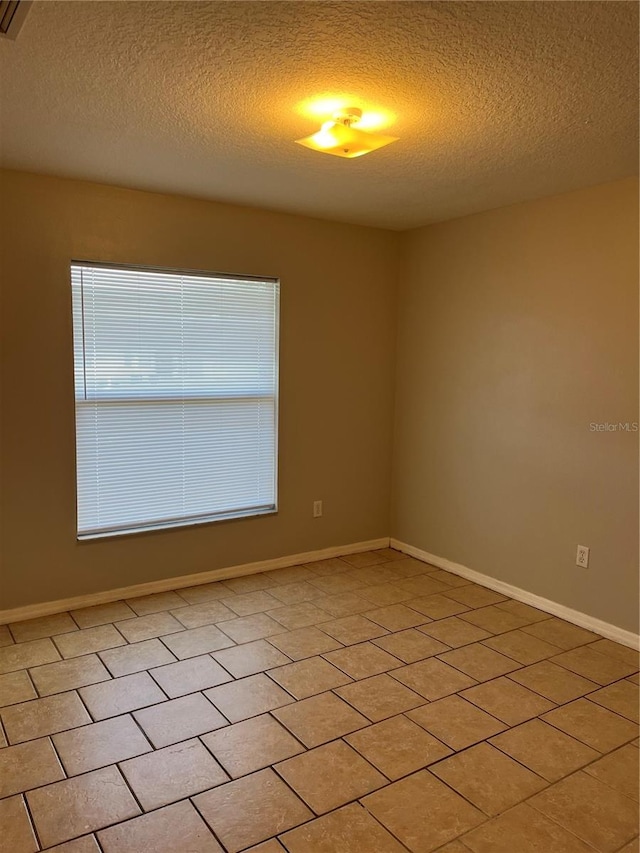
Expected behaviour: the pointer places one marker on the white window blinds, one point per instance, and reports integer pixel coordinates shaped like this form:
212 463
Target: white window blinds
176 377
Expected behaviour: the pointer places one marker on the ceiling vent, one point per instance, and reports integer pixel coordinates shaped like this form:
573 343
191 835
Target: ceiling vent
12 15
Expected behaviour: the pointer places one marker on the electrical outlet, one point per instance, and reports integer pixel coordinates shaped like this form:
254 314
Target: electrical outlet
582 557
317 509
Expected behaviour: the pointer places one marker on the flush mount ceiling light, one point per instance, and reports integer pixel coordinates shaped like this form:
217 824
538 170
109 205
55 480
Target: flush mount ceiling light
340 137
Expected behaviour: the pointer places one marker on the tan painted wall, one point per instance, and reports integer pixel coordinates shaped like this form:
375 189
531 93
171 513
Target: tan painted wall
517 329
337 351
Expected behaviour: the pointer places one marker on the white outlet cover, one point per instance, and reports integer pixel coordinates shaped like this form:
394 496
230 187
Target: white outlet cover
582 556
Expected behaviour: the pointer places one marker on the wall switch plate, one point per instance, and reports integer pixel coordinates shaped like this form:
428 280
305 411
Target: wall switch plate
582 556
317 509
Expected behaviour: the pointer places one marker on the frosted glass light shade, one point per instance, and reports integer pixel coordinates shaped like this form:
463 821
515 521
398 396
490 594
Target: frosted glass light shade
344 141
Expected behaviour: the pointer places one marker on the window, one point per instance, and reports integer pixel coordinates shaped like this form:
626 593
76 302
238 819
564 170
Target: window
176 378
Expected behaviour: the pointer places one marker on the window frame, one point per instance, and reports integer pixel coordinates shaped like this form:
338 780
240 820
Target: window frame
190 521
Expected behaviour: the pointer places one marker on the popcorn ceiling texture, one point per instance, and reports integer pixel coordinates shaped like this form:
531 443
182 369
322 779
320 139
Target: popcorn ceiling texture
494 102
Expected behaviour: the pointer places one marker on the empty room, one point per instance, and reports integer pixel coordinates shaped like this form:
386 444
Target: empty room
319 426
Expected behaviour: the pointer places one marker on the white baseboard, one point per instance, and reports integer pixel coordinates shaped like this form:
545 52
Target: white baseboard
605 629
46 608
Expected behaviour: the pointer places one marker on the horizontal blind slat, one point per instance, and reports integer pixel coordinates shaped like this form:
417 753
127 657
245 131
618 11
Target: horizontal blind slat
176 396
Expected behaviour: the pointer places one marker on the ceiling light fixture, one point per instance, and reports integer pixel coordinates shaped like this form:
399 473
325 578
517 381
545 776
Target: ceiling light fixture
341 138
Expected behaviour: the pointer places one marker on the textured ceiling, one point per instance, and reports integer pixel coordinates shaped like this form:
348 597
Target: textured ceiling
494 103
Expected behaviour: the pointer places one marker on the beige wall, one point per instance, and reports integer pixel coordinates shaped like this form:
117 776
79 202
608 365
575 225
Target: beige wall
337 351
517 329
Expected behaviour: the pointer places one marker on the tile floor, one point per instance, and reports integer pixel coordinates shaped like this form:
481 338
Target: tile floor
368 704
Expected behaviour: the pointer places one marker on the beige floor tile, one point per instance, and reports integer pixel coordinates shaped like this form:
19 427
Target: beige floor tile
396 617
251 602
409 567
5 636
379 697
309 677
189 676
305 643
553 682
271 846
250 658
619 770
173 773
449 578
351 776
24 655
121 695
146 627
397 747
89 640
560 633
176 827
296 593
384 594
86 844
204 592
550 753
179 719
335 584
29 765
331 566
248 697
635 679
42 717
288 575
68 674
592 665
100 744
432 678
320 719
522 647
411 645
455 632
363 660
145 605
591 810
351 829
510 702
245 629
15 827
137 657
494 620
16 687
292 616
618 651
479 662
353 629
80 805
422 585
518 608
367 558
102 614
621 697
488 778
251 745
438 606
454 847
475 596
345 604
206 613
197 641
422 812
524 830
456 722
596 726
44 626
632 847
252 809
248 583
